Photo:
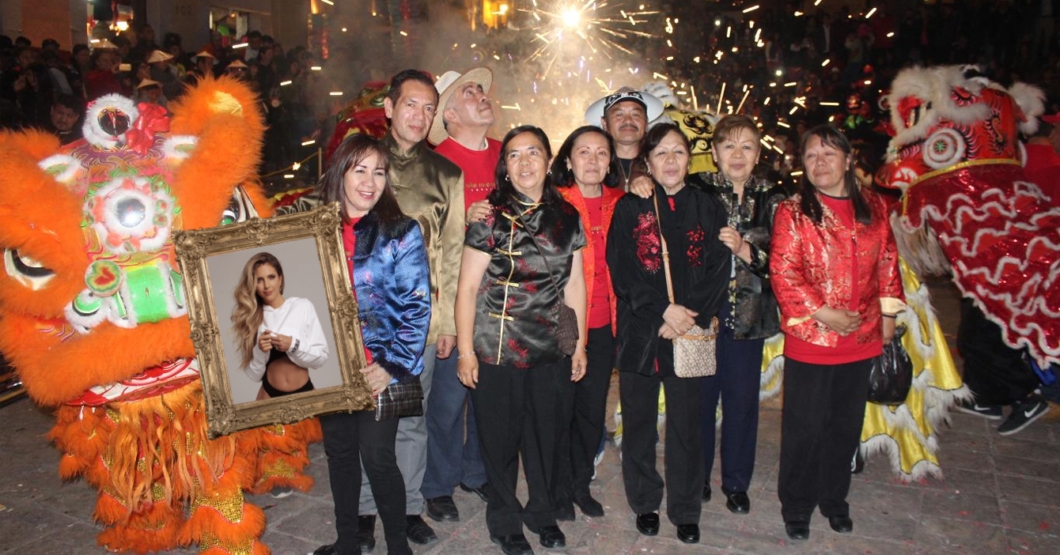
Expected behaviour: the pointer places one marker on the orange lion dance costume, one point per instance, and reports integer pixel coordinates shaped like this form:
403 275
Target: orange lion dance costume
92 314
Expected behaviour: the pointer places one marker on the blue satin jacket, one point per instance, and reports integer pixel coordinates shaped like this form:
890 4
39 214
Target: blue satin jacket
392 280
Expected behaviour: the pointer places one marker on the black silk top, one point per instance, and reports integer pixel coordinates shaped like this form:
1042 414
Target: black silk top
517 309
699 262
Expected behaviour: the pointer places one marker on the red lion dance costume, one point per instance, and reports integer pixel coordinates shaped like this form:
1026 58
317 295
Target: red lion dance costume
93 315
967 205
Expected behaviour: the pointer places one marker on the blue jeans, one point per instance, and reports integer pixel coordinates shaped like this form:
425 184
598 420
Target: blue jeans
452 458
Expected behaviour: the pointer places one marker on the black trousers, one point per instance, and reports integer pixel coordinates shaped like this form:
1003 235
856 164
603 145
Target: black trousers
519 413
736 383
995 372
587 402
683 451
349 439
824 409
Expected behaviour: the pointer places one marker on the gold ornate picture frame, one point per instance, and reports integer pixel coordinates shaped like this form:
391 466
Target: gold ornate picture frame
211 262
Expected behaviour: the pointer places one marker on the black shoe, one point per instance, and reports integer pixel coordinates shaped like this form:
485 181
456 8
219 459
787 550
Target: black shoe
442 509
1023 414
418 531
990 412
648 524
797 529
589 506
479 491
737 502
841 524
706 493
688 533
514 544
552 537
366 533
328 549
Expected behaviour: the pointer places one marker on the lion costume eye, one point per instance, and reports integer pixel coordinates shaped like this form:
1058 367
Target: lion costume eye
25 270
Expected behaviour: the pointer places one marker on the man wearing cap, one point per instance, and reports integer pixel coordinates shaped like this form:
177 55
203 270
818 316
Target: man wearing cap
460 124
625 114
429 189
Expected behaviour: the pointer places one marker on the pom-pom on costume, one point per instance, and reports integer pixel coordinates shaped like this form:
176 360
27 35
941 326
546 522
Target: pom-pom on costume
967 205
93 314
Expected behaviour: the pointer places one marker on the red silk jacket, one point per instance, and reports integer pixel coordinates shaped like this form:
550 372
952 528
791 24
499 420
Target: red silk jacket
811 268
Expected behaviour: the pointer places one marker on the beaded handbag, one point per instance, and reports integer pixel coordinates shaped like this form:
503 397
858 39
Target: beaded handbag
695 351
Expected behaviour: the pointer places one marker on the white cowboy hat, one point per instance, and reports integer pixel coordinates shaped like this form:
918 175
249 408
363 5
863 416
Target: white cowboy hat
446 86
653 107
148 83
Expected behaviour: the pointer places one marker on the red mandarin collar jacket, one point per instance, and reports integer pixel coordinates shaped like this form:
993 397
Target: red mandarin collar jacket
812 267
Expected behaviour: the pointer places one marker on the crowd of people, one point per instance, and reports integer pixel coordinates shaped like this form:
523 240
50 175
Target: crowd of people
48 88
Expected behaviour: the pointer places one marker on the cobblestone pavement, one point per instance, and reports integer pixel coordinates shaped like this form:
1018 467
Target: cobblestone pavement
1000 495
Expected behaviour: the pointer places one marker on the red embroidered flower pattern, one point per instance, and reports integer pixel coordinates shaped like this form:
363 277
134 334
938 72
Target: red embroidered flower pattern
695 246
646 237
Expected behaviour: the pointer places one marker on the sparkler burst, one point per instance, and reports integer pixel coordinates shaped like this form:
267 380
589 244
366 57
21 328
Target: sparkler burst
570 26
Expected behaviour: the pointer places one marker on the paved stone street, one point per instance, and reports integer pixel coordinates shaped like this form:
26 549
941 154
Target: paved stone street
1000 496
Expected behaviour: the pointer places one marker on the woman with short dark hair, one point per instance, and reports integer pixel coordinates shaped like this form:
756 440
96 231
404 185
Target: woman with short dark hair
749 313
685 222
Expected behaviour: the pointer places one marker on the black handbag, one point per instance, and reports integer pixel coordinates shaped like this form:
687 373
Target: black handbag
891 376
400 399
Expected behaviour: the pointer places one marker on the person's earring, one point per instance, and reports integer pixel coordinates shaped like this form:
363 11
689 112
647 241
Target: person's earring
506 178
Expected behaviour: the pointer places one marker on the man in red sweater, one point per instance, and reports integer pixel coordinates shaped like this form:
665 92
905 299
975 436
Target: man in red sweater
461 122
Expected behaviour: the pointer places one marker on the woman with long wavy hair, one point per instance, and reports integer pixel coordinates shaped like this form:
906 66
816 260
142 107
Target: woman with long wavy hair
279 340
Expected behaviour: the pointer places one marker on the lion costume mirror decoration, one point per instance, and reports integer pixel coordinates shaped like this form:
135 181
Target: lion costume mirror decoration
93 315
967 206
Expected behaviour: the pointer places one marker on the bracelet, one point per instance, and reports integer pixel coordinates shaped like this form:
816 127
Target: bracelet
471 354
294 348
890 316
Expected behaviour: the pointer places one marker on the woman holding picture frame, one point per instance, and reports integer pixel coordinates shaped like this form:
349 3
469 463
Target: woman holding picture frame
387 259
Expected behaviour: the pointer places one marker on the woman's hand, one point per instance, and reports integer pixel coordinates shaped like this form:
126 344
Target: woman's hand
843 322
679 318
890 324
378 378
732 239
281 342
642 186
467 370
666 332
478 211
579 364
265 341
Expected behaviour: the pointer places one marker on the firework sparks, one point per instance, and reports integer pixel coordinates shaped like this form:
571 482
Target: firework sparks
597 25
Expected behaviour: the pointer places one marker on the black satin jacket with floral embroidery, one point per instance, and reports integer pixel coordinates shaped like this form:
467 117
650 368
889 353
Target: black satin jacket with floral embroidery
754 308
699 263
517 308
